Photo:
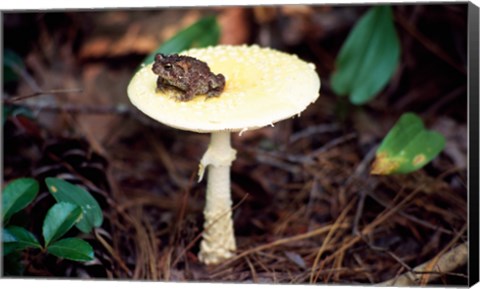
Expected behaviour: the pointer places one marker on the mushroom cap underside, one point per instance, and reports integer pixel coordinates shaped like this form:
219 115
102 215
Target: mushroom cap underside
263 86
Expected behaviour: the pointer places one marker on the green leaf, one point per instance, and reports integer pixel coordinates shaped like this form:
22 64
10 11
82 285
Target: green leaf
17 238
63 191
10 61
368 58
205 32
17 195
72 248
60 218
407 147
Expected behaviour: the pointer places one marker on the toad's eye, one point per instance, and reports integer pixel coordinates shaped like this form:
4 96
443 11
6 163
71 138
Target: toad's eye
167 66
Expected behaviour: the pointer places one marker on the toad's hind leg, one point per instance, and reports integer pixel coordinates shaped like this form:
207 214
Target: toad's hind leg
214 93
216 88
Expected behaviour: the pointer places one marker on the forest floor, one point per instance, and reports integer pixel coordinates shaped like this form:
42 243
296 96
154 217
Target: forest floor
306 209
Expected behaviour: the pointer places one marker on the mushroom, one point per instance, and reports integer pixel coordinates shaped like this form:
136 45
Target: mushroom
263 86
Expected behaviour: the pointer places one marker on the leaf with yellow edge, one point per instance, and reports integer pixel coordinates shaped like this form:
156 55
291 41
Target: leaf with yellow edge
407 147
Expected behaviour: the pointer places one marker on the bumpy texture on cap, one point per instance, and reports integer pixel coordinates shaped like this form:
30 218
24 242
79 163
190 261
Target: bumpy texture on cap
262 87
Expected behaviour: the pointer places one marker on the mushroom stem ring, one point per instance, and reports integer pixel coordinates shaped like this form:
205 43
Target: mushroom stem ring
218 241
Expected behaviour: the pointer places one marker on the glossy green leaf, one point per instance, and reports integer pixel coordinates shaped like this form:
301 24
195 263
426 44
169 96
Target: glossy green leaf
368 58
17 195
17 238
72 248
63 191
9 248
59 219
205 32
407 147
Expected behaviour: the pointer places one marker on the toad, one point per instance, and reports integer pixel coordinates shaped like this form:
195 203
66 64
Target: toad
188 75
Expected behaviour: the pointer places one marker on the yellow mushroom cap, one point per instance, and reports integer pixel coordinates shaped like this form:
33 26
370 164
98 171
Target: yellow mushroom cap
262 87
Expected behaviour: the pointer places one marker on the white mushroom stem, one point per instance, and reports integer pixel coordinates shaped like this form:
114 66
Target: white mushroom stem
218 241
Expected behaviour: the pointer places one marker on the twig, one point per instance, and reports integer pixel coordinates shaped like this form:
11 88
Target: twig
142 244
319 129
333 143
81 109
112 252
430 45
362 264
153 242
22 72
359 211
313 276
69 108
368 228
337 265
447 262
432 264
283 241
313 197
252 270
166 160
309 159
271 161
453 95
261 264
91 138
361 169
386 250
410 217
38 93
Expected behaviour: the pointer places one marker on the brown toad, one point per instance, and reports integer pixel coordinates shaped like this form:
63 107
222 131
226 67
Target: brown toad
188 75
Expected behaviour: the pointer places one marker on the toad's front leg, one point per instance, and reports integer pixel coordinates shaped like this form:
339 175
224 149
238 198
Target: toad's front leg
186 95
161 84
